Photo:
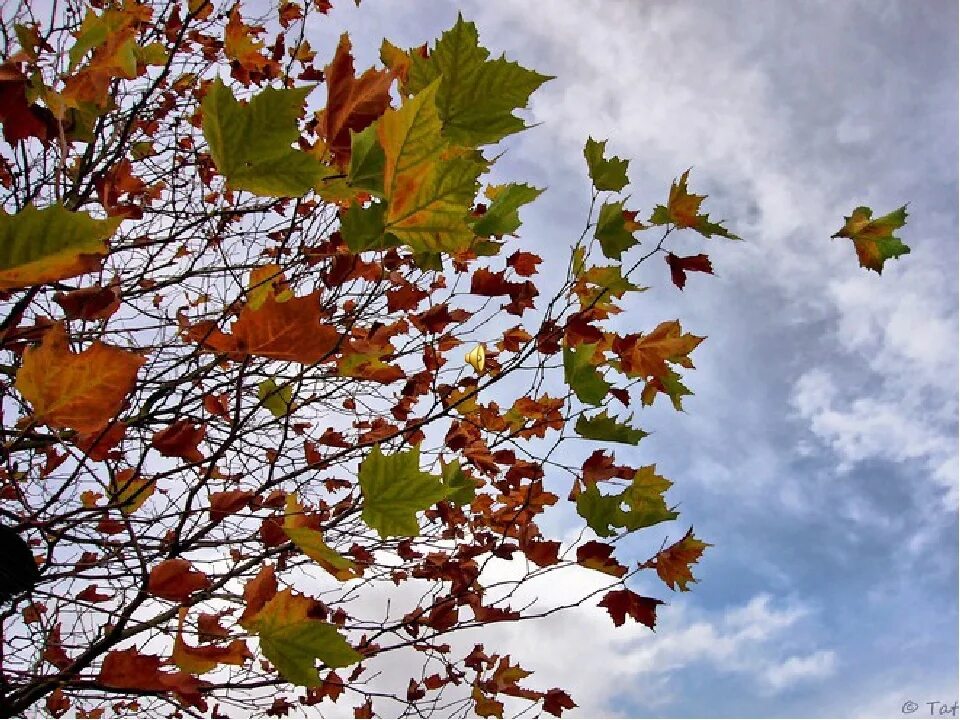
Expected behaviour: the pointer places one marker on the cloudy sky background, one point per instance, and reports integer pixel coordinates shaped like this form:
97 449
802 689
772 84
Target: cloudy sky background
819 453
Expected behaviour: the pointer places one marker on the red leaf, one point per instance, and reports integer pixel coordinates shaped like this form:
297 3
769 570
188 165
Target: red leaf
620 603
556 701
599 556
180 440
176 580
129 670
258 592
542 553
92 303
673 564
524 263
91 594
100 445
227 503
679 266
20 120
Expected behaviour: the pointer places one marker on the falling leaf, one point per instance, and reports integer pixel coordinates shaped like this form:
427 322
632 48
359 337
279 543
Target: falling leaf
621 603
874 240
81 390
395 490
176 580
292 640
673 563
680 266
40 246
476 96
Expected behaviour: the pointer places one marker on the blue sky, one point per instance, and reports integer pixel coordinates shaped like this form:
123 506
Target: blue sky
819 453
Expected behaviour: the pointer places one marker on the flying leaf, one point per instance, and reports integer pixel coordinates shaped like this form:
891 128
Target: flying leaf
603 427
40 246
77 390
580 373
503 216
197 660
673 563
874 240
606 173
250 144
680 266
477 96
310 542
395 490
293 641
621 603
682 210
352 103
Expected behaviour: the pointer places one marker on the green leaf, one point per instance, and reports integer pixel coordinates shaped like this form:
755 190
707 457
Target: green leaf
395 490
38 246
276 399
477 96
367 161
600 511
250 144
582 376
874 240
362 228
293 641
460 488
669 384
502 217
603 427
606 173
614 230
644 499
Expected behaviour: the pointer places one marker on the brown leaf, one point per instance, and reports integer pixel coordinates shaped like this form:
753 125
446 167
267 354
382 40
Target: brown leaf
229 502
258 592
599 556
129 670
180 440
680 266
91 303
620 603
176 580
524 263
673 563
556 701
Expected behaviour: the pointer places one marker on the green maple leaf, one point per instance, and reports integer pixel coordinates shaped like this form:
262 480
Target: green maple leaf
367 161
395 490
503 217
604 427
874 240
38 246
477 96
362 228
606 173
276 399
615 230
460 488
251 144
644 499
582 376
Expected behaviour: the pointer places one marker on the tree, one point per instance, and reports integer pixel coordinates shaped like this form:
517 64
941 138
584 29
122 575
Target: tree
236 400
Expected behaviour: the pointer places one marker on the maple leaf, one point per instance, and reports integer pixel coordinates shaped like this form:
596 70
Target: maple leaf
90 303
874 240
555 701
673 563
229 502
180 440
477 96
647 355
250 144
293 641
503 216
257 592
621 603
22 120
40 246
682 210
485 706
395 490
290 330
606 173
278 400
176 580
580 373
599 556
643 499
524 263
129 490
352 103
197 660
241 45
615 228
129 670
429 187
680 266
603 427
77 390
310 542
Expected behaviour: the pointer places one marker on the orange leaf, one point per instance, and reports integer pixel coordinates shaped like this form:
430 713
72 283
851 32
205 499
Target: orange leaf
204 658
92 303
673 564
352 103
129 670
258 592
288 330
176 580
180 440
77 390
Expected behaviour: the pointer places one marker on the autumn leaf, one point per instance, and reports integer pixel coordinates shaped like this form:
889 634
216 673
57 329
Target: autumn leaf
89 303
484 706
621 603
476 96
21 118
580 373
599 556
131 671
293 641
87 388
229 502
606 173
180 440
603 427
278 400
643 499
874 240
40 246
129 491
176 580
197 660
503 216
673 563
680 266
395 490
310 542
615 228
647 355
353 103
250 144
555 701
683 211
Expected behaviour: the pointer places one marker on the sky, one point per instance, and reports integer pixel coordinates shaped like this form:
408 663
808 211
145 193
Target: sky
819 453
